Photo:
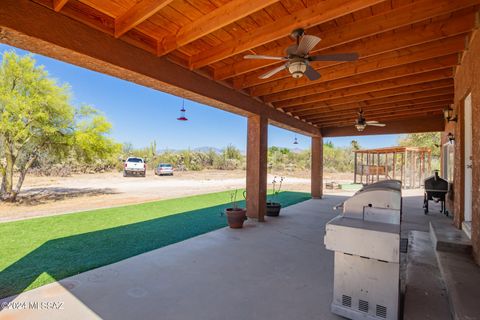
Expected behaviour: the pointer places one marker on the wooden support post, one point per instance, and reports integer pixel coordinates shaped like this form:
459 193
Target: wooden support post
317 167
355 168
394 164
422 167
367 177
361 172
378 167
402 171
420 164
413 168
407 171
430 162
257 144
386 166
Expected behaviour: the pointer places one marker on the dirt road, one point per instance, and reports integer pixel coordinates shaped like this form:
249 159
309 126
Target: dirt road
57 195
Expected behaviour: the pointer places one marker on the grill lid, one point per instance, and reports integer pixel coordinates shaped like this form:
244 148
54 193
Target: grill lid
435 183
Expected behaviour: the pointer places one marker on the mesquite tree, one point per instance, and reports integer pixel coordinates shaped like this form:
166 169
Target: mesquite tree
36 118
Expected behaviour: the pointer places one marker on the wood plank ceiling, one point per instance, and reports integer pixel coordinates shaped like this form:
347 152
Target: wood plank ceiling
408 49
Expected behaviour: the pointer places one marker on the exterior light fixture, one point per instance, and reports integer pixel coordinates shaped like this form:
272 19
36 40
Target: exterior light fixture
448 114
297 68
182 112
451 138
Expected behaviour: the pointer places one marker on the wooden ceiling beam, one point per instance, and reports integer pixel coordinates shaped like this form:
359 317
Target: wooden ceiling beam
386 115
446 84
406 125
58 4
375 63
406 109
88 15
388 107
423 81
305 18
210 22
367 77
387 45
380 105
396 101
376 25
384 118
98 51
141 11
374 76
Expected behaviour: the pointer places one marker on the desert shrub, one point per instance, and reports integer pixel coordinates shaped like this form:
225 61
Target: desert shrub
226 164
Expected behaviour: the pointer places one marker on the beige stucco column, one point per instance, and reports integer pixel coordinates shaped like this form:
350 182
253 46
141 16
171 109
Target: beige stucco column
257 144
317 167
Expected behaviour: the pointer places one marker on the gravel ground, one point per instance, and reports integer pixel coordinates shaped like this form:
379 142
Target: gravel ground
43 196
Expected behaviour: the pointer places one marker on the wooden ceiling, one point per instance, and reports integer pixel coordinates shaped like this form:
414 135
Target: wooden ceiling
408 49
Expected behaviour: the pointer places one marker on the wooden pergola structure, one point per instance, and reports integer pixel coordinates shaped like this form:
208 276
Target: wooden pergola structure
408 51
408 164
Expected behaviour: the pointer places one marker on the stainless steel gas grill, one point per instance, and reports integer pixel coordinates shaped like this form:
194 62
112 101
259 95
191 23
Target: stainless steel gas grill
436 189
366 241
388 184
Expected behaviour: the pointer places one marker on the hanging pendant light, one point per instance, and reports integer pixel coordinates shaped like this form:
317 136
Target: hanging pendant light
182 112
295 141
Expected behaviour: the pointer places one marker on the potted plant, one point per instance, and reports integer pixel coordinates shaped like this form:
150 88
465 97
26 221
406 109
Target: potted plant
235 215
273 206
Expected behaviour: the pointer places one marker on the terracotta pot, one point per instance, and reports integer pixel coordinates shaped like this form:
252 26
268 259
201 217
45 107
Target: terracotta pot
273 209
236 217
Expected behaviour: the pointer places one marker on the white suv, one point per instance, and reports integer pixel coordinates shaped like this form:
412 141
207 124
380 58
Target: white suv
134 165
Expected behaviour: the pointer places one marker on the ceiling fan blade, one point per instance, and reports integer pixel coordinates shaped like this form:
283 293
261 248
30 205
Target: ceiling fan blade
311 73
307 43
371 122
272 72
377 124
260 56
335 57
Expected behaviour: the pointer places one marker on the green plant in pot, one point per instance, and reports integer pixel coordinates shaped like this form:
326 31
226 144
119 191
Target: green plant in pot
235 215
273 206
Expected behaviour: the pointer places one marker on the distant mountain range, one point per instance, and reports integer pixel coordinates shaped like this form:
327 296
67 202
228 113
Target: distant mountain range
217 150
206 149
296 150
199 149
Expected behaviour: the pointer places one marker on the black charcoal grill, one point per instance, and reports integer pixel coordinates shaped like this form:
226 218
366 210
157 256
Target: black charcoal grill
436 189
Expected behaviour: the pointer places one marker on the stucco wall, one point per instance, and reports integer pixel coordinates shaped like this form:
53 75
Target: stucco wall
467 80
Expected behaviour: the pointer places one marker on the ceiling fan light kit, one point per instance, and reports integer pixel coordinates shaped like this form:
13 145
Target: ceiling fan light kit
360 127
297 68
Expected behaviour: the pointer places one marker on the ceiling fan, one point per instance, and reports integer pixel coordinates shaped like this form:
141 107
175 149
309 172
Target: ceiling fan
298 59
361 123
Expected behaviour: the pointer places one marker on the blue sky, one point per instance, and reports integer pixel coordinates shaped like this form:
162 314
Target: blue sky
140 115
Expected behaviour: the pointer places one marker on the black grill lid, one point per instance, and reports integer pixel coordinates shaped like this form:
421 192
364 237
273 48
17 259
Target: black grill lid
435 183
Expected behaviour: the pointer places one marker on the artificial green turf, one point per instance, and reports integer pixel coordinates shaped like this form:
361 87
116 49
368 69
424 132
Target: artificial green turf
38 251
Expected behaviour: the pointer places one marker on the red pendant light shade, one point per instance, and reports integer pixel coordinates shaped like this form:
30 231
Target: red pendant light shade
182 112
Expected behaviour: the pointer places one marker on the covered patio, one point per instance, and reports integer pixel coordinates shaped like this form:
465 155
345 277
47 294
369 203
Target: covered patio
403 77
417 71
274 270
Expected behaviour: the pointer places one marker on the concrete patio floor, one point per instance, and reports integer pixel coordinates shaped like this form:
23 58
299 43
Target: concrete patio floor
274 270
